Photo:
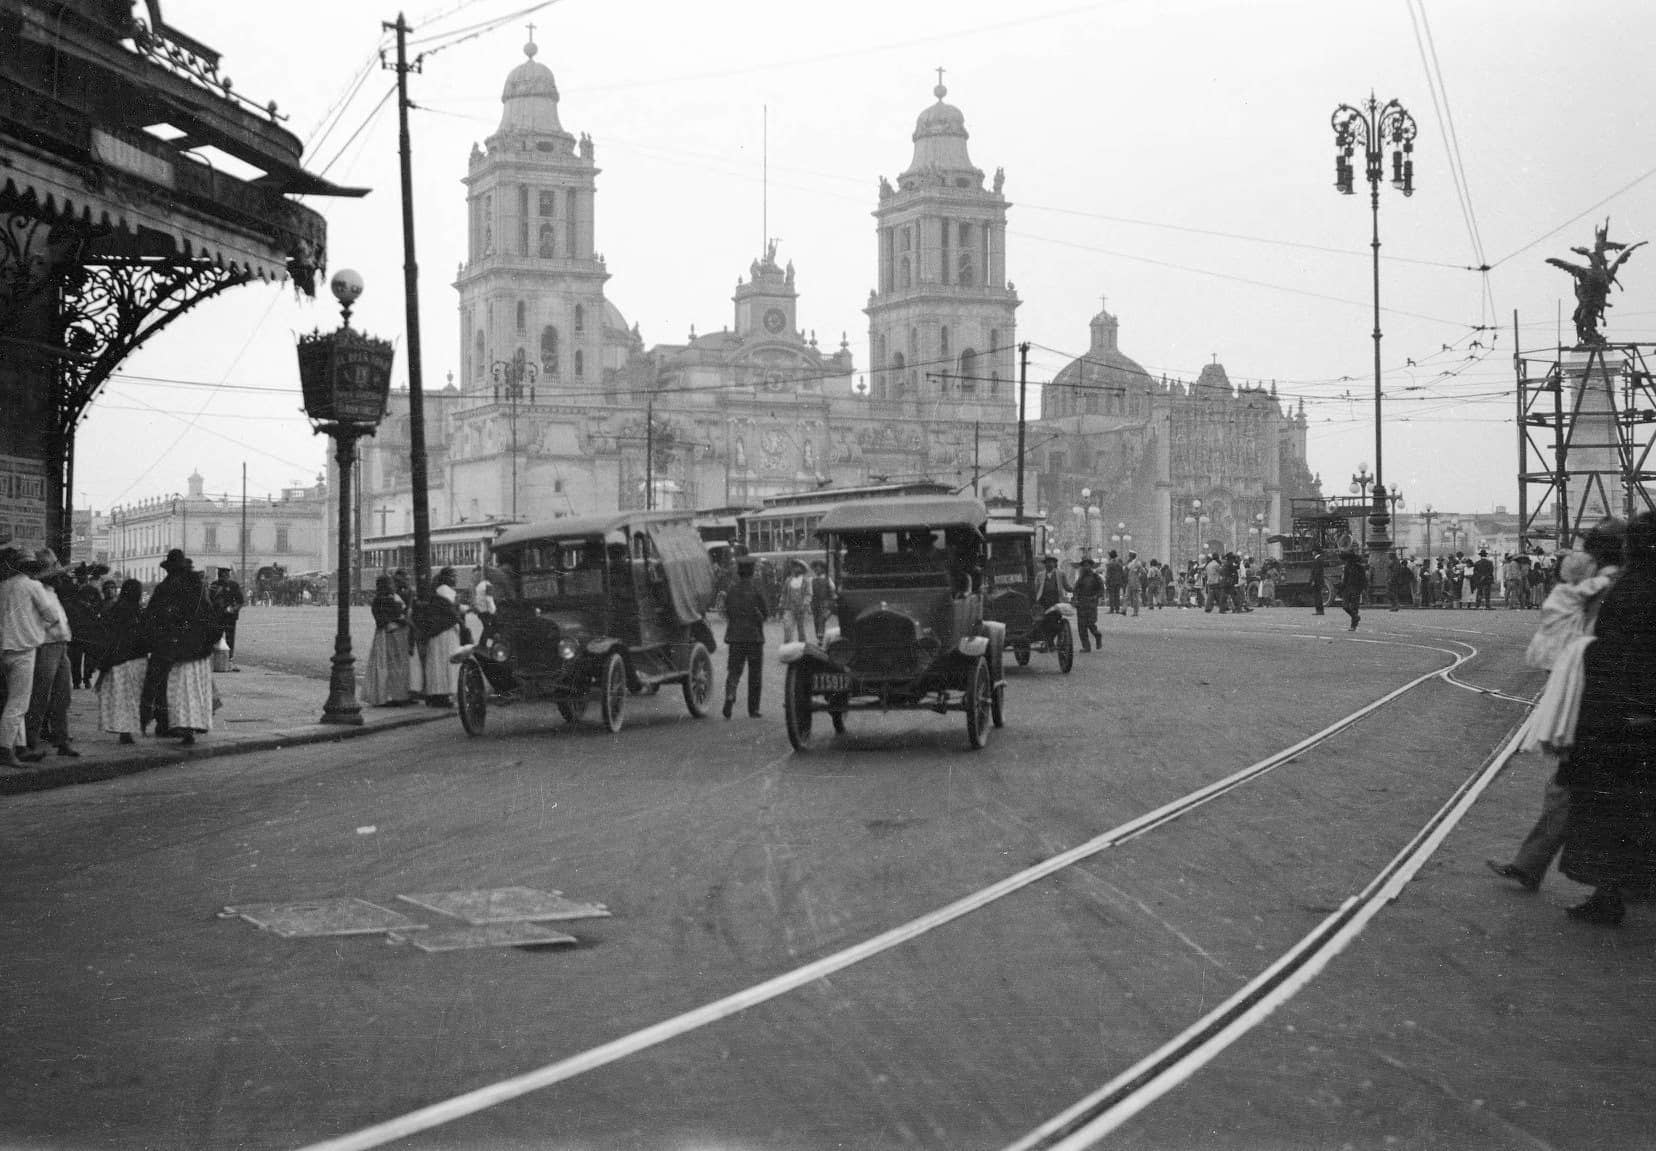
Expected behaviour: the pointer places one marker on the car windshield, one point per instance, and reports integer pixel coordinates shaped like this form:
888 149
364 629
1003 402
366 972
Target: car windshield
1007 557
559 569
904 557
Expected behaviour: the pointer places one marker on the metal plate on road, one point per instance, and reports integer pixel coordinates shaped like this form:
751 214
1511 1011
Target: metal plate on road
324 917
506 905
830 681
488 935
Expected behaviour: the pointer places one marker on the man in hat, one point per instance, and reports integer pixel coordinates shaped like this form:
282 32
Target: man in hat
227 596
1051 588
745 616
169 592
1089 589
48 715
1115 580
27 611
1483 580
1353 582
1319 570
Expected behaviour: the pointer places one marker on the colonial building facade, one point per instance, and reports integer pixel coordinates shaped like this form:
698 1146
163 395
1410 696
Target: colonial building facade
291 528
1181 469
560 408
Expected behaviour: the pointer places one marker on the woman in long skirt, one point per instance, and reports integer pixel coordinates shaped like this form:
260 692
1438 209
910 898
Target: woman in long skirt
190 698
386 683
122 669
441 677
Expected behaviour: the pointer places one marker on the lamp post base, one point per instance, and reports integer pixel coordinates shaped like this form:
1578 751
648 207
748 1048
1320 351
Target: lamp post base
342 706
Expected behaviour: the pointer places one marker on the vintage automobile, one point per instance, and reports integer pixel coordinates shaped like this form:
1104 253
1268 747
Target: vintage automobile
1009 597
591 608
911 629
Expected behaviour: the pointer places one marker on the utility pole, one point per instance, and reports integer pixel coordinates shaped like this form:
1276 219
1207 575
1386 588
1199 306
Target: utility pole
244 526
1023 397
649 452
977 430
411 289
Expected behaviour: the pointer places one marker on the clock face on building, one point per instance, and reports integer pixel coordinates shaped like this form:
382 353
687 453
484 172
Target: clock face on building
775 319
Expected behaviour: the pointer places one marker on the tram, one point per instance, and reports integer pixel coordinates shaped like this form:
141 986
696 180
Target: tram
459 546
1330 526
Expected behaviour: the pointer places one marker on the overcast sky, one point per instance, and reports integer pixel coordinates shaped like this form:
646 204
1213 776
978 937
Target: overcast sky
1174 156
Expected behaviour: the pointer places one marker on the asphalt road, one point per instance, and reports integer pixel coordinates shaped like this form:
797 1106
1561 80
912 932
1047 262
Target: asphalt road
1465 1015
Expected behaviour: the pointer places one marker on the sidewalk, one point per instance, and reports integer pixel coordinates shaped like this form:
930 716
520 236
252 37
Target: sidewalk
262 710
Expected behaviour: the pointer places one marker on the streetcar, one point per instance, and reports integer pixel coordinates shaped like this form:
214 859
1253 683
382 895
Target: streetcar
1331 526
463 547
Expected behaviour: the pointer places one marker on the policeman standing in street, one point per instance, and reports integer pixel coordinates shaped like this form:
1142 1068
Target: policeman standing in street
1319 570
745 615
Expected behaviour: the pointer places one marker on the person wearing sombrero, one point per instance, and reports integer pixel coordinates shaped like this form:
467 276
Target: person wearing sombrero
27 611
1087 592
48 717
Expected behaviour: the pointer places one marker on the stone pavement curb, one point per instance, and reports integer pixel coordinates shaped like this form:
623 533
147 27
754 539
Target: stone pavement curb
55 772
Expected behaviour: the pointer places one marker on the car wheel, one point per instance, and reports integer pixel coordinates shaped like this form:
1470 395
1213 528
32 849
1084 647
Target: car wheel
698 683
1066 647
997 705
1020 652
978 702
473 698
796 706
612 691
574 711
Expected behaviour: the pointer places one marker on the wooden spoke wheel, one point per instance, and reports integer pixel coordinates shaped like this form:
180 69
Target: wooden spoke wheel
473 698
979 703
612 691
796 706
698 684
1066 647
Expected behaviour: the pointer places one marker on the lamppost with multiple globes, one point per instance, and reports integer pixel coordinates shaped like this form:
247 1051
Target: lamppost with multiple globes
1256 534
510 376
1453 530
1372 127
1121 537
1428 514
345 377
1360 482
1197 519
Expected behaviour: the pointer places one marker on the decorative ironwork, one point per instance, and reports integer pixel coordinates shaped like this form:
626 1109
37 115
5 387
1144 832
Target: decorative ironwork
185 57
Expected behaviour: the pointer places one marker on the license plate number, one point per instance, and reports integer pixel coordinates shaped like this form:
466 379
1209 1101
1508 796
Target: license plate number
830 681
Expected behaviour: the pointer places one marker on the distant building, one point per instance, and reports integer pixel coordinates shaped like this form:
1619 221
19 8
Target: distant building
289 529
1152 454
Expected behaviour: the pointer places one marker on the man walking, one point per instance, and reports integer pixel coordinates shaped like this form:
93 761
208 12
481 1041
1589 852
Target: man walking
1213 582
1115 580
1353 582
1089 589
745 615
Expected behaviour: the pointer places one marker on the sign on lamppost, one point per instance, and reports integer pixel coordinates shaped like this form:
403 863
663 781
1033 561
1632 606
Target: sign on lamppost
345 377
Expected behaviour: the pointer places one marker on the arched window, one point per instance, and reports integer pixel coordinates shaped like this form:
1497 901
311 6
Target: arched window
903 274
548 242
477 355
549 350
968 372
580 318
897 372
994 383
522 316
885 351
580 363
943 335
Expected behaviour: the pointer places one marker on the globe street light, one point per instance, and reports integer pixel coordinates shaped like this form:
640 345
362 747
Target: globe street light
1372 128
1360 483
1428 514
1080 514
1452 529
1256 532
1196 519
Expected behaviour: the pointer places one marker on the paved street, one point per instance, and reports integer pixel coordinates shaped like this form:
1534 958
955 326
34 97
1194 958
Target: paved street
1466 1013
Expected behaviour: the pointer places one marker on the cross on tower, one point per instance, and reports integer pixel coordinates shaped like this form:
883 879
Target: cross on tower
531 32
940 79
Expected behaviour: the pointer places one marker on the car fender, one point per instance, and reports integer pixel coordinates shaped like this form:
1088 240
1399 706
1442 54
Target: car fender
463 654
1067 610
791 652
995 632
603 645
973 646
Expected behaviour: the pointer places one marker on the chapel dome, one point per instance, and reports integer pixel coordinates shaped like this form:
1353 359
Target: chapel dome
1104 372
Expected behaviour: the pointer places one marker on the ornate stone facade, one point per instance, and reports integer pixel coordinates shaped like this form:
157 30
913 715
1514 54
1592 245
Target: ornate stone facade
1147 449
728 417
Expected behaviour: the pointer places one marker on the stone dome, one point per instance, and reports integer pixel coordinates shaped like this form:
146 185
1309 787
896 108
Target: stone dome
940 143
530 98
1105 374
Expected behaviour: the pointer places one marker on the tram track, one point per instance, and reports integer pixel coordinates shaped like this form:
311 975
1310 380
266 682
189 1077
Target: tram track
1136 1088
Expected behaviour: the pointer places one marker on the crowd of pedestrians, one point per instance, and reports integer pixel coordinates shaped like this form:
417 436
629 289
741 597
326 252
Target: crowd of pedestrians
150 661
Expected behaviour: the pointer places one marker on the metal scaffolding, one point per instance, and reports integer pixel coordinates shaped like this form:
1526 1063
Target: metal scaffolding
1586 427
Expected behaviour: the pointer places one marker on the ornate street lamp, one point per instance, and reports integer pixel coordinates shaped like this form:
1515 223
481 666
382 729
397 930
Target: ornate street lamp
1360 482
1428 514
1372 128
1256 533
1196 519
346 378
510 376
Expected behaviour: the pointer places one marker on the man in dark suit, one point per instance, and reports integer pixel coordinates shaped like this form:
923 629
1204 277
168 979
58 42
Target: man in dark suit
745 615
1319 572
227 596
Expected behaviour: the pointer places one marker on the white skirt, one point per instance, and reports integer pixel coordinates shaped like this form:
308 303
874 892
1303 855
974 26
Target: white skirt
440 677
118 695
190 695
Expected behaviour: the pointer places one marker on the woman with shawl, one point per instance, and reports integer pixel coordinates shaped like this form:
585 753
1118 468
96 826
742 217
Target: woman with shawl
387 680
183 629
438 623
1610 835
122 664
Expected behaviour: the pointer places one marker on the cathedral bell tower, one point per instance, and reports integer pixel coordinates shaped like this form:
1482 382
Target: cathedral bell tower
532 288
942 321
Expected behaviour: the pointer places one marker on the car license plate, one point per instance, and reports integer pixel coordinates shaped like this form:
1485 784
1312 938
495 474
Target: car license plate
830 681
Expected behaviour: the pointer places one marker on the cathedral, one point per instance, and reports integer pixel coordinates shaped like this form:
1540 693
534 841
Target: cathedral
560 408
